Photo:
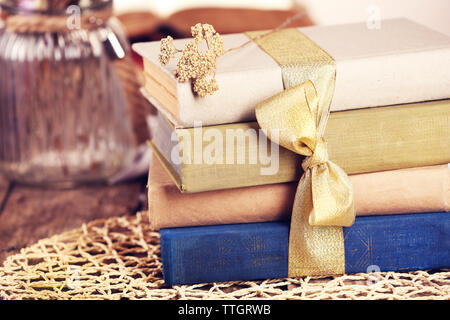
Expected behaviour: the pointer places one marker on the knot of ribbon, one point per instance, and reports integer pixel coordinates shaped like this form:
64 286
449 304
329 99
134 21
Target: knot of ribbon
319 155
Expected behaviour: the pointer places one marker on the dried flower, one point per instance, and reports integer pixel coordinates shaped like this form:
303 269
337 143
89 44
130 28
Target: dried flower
167 50
196 65
197 32
217 45
203 86
200 67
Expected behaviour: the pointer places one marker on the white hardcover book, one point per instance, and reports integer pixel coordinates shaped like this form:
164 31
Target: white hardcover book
402 62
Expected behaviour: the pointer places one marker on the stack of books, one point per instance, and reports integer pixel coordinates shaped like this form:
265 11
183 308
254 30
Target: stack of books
221 193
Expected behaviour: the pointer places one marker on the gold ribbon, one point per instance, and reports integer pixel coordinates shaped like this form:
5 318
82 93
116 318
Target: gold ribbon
324 200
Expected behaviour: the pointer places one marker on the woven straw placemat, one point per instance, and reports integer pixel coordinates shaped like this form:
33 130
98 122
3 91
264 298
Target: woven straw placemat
119 258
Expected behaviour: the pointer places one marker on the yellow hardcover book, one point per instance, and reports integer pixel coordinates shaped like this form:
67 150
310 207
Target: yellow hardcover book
359 141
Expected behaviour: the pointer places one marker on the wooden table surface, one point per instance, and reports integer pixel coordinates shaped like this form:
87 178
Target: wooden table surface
28 214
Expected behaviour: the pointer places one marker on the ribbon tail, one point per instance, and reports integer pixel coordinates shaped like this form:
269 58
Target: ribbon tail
332 197
308 256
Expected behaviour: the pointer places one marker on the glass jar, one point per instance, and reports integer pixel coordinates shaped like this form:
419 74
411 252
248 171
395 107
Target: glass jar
64 118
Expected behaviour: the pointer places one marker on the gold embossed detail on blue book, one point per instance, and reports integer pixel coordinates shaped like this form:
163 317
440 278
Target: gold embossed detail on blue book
260 250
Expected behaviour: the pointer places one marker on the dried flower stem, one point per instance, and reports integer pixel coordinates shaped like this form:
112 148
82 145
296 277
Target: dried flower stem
268 33
200 66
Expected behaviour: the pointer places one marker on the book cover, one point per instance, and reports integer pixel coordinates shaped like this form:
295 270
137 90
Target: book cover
402 62
387 192
260 250
359 141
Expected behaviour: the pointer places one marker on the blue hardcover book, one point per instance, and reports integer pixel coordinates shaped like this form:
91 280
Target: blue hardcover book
260 250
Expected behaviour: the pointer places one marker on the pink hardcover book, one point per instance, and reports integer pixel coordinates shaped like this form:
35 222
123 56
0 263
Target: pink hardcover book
422 189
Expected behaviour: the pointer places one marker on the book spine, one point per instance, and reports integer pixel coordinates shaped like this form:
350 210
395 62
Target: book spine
260 250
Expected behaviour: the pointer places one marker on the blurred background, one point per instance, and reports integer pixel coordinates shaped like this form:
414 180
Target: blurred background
433 13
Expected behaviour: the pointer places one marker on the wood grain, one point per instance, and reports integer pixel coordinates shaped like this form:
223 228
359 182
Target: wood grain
30 214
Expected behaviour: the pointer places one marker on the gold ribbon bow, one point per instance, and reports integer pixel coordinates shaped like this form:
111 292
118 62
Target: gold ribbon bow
324 198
